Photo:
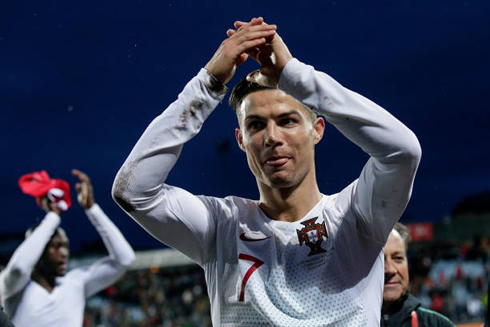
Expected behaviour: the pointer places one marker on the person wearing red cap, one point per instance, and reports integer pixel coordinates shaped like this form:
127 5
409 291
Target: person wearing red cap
35 287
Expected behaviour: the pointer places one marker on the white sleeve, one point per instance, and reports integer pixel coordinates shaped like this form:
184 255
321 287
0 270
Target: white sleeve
107 270
172 215
385 184
17 274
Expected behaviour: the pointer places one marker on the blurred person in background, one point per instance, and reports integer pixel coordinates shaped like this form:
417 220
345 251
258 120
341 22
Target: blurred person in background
36 289
400 308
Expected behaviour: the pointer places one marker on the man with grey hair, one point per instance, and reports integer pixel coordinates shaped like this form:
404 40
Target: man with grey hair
401 309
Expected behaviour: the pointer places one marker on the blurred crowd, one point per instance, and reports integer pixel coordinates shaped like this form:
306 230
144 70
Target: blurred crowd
153 297
452 278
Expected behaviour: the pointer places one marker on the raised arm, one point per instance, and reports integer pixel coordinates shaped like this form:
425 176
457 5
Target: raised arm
17 274
170 214
107 270
385 184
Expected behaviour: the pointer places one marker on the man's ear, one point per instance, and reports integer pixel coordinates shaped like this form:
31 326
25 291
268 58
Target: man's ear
318 129
239 138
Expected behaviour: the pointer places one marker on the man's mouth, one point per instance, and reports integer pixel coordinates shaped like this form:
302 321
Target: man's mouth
276 161
392 283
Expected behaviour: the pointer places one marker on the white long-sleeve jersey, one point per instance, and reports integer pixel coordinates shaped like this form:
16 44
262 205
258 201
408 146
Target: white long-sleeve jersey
325 269
29 304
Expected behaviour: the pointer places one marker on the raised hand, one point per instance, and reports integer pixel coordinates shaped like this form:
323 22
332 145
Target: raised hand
85 193
48 205
272 57
235 50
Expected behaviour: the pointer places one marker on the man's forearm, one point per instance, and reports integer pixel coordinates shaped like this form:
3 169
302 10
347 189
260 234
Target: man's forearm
119 249
20 266
156 152
365 123
385 184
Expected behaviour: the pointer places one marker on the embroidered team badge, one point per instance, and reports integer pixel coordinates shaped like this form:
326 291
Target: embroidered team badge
312 235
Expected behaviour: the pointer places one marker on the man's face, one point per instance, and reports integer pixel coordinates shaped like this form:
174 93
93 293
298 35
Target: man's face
396 268
278 136
55 257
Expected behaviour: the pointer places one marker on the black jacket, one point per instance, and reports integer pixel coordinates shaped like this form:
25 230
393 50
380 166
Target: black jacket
4 320
401 315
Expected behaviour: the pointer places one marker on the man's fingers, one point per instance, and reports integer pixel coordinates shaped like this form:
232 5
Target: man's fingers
81 175
83 193
254 52
248 31
243 57
257 21
240 44
252 29
247 46
253 21
239 38
246 40
256 35
84 179
259 24
239 23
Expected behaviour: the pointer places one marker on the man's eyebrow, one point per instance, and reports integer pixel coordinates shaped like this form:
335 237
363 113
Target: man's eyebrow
284 114
289 113
398 253
253 117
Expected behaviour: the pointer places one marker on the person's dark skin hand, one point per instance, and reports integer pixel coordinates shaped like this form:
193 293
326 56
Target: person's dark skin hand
234 50
49 206
85 193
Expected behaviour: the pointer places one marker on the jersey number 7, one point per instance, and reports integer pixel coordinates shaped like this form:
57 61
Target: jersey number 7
257 263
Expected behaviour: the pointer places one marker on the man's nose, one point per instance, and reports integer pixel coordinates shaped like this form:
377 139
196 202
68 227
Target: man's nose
390 267
63 252
271 135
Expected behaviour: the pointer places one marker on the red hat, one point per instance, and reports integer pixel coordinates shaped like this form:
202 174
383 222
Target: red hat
38 184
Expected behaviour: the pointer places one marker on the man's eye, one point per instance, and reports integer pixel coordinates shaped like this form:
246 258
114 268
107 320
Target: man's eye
255 125
288 121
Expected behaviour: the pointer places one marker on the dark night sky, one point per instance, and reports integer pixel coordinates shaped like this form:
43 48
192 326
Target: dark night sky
80 81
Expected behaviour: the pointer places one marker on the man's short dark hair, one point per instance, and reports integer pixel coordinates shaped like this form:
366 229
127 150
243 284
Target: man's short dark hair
404 233
242 89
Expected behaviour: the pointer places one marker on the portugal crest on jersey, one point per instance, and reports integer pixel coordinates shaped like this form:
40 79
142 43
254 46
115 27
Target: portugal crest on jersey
312 235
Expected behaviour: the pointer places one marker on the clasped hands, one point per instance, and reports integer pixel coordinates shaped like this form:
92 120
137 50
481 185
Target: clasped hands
254 39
